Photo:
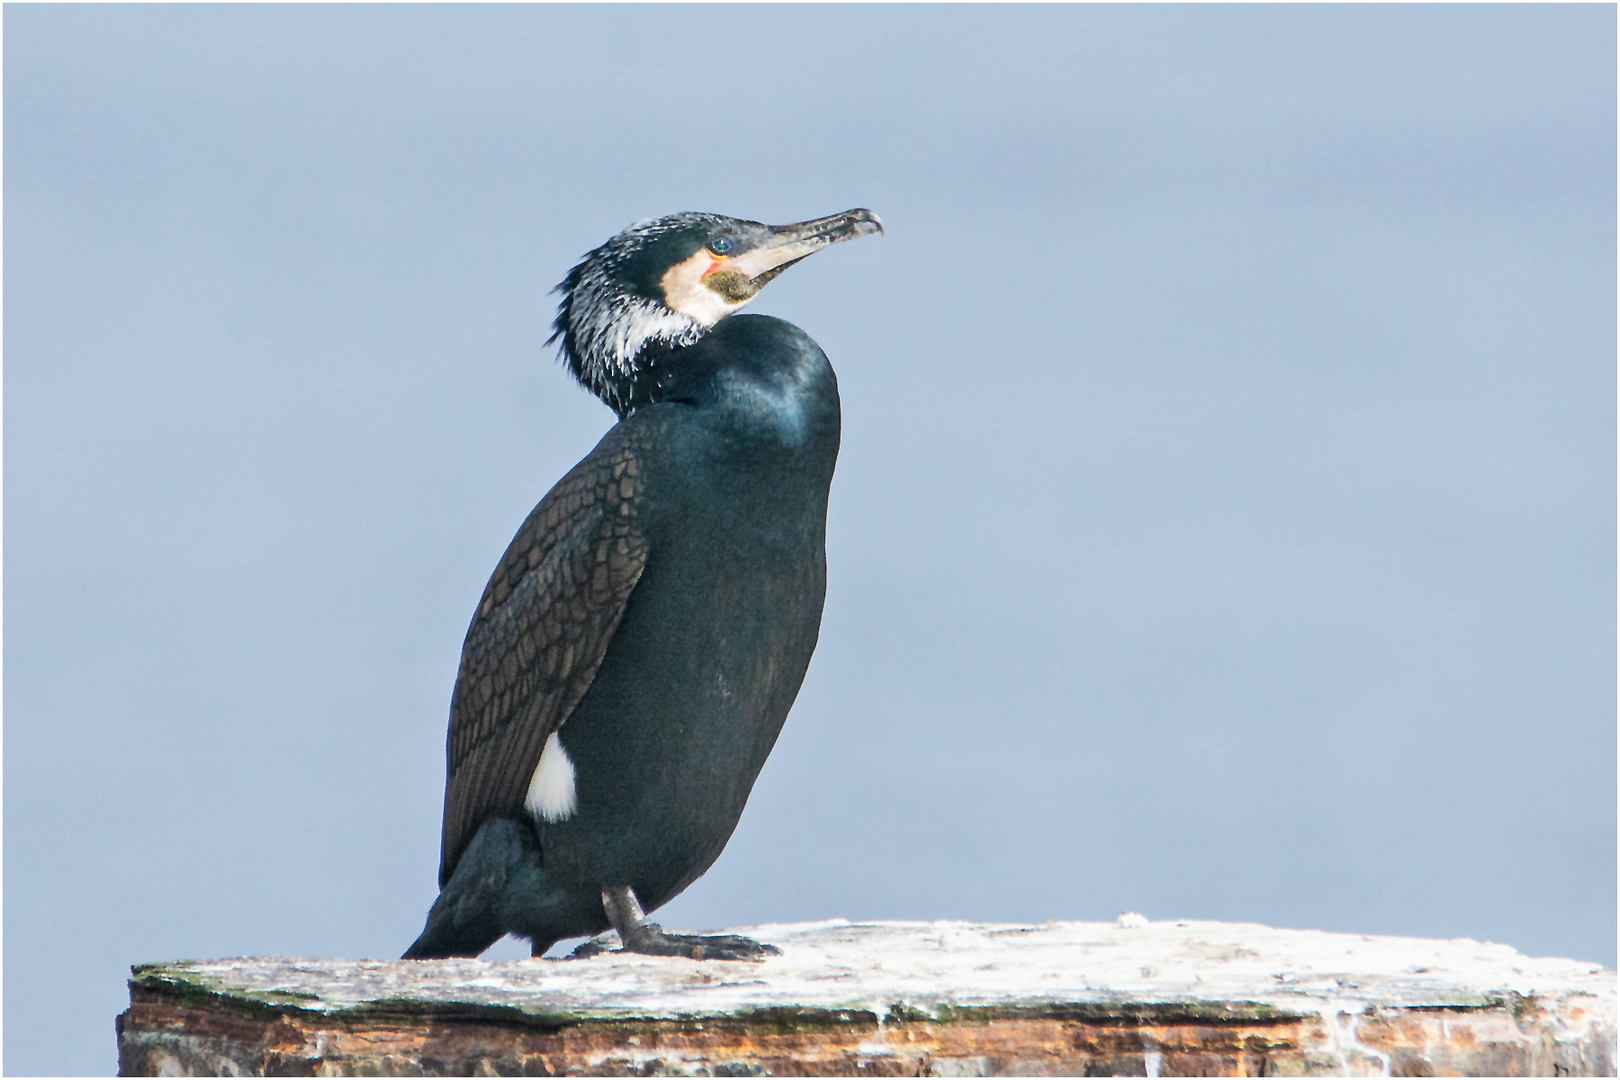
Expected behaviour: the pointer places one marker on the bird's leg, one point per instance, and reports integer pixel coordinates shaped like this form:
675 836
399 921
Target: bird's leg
640 936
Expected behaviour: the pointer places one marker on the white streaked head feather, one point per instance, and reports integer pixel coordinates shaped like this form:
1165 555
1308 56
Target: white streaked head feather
605 326
551 790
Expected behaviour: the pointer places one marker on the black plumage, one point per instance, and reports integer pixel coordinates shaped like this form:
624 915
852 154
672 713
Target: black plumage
637 649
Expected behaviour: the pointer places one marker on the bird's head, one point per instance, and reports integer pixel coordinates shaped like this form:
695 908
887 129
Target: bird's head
661 284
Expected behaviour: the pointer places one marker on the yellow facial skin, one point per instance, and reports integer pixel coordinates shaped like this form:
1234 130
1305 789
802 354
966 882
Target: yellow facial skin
707 287
734 286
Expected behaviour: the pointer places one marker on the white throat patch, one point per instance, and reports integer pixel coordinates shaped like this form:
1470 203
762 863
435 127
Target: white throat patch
686 292
551 791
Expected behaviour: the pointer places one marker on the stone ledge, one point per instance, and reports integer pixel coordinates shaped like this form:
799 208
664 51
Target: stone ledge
941 999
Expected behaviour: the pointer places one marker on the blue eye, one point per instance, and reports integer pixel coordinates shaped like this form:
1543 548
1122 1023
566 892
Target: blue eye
720 246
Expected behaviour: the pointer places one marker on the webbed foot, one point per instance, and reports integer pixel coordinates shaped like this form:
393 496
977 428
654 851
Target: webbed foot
590 947
648 938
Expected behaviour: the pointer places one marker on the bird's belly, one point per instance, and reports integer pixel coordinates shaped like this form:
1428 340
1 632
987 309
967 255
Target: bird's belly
668 741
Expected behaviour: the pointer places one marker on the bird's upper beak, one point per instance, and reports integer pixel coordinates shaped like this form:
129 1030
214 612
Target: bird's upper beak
784 245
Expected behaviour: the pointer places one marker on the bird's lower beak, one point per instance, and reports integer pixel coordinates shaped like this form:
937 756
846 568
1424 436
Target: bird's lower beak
787 244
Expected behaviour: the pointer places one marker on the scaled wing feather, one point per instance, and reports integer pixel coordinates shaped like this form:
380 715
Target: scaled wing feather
539 636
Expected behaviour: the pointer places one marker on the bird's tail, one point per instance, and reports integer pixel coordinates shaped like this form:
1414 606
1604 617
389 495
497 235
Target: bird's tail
446 937
466 919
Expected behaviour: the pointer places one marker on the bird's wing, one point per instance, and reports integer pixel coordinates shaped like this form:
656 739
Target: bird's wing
539 636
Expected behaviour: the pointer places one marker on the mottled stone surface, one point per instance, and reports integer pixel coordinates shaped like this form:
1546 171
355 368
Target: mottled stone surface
899 999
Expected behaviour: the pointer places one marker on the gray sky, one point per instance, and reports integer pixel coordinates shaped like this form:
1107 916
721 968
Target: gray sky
1225 522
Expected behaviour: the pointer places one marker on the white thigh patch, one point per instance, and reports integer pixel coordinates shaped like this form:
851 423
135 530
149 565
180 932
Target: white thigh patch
551 791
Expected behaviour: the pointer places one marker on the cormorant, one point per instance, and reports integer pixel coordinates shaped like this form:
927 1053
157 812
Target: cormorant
638 646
